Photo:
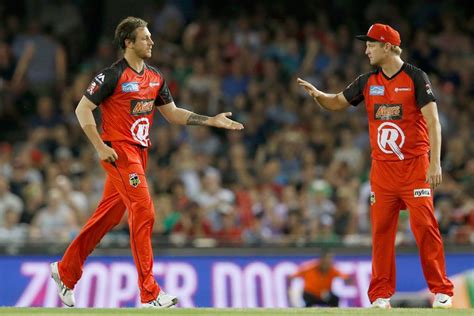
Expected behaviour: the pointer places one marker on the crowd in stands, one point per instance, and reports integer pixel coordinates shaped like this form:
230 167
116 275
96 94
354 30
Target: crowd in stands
296 175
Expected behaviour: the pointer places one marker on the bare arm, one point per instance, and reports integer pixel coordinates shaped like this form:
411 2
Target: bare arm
23 63
86 119
176 115
329 101
430 113
61 65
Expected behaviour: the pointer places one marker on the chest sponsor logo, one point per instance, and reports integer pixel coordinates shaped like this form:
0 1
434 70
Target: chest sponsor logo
140 130
154 84
422 193
130 87
388 112
141 107
376 90
390 139
402 89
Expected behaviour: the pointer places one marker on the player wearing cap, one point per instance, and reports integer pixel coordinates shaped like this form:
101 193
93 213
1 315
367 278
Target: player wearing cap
405 137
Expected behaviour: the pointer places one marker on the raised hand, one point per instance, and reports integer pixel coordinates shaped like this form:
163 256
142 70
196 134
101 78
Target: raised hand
312 91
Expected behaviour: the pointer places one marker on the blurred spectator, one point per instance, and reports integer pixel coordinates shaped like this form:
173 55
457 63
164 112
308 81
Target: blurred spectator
41 60
54 222
214 199
8 201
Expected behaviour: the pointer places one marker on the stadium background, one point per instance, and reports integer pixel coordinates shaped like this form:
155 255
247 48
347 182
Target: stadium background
235 211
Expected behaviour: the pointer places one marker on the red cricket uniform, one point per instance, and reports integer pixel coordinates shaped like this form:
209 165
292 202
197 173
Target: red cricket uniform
400 145
127 102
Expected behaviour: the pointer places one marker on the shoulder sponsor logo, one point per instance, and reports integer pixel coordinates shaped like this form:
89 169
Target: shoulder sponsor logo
422 193
402 89
388 112
154 84
100 78
377 90
141 107
130 87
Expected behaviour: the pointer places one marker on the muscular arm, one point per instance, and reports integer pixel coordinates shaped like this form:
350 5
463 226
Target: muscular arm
86 119
176 115
332 102
430 113
329 101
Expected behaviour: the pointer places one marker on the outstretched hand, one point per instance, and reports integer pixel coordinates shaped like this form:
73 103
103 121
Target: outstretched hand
312 91
221 120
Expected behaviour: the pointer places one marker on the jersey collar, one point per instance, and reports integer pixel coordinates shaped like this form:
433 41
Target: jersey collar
394 75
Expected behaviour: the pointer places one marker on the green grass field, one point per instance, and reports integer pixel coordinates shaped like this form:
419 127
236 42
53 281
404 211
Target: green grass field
234 311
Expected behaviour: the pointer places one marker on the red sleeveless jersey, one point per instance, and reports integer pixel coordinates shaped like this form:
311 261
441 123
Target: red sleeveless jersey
397 128
127 101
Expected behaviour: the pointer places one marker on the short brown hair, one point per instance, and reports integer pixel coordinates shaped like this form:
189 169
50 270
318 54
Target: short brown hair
126 30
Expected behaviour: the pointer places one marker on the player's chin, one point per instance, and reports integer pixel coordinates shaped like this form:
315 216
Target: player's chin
146 55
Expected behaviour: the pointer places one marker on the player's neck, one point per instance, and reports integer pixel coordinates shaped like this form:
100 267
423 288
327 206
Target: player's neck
392 66
135 62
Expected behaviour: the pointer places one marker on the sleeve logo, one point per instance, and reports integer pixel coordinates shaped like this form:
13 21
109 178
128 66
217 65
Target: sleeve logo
93 87
130 87
100 78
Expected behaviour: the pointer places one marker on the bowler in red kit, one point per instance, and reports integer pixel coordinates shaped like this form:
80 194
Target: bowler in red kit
127 93
405 137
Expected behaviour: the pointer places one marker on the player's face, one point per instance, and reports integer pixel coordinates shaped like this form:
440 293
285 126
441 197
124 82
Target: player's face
143 43
376 52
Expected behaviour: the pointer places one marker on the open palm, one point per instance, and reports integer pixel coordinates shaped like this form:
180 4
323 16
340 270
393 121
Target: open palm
222 120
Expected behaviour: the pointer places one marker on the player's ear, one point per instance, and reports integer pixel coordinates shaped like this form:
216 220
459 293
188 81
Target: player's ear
128 42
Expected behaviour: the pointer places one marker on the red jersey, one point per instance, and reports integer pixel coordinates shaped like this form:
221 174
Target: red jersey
127 101
397 128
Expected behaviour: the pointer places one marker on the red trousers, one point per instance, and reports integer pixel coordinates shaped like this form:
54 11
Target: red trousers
396 184
125 188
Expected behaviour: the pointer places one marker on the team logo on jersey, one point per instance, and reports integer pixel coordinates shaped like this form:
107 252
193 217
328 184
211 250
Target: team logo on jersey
130 87
388 112
377 90
422 193
402 89
93 87
390 139
372 198
141 107
100 78
134 180
140 130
